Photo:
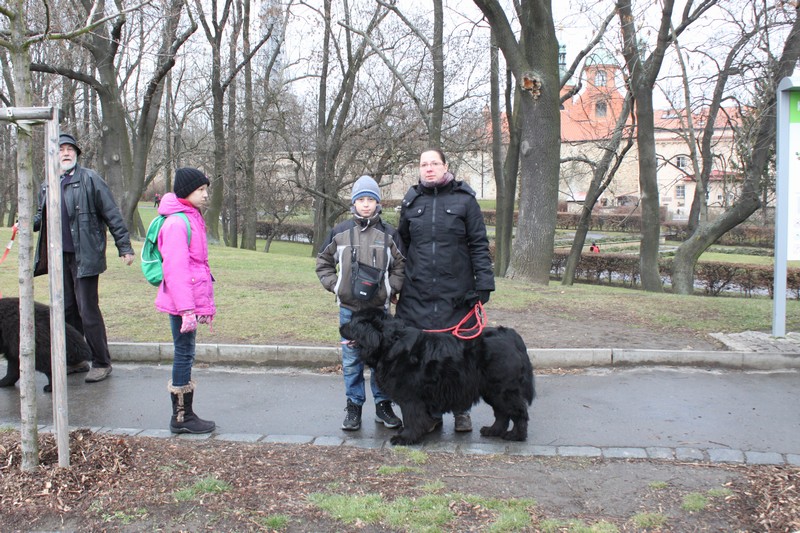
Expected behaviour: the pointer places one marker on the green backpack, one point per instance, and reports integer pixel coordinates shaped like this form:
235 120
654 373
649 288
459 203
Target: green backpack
151 256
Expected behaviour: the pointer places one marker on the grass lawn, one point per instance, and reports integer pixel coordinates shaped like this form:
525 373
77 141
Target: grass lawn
275 298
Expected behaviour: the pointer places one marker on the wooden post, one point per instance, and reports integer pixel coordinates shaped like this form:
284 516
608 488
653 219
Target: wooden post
55 264
26 117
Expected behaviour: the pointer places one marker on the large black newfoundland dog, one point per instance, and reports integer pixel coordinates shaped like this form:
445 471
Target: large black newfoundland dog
77 349
431 373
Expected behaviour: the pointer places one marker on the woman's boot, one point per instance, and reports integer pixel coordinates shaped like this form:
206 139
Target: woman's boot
183 418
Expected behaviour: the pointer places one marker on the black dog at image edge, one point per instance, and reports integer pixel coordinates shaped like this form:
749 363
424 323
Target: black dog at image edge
77 349
432 373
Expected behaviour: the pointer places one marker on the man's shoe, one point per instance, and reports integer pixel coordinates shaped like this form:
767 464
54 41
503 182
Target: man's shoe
384 414
463 422
352 420
80 368
97 374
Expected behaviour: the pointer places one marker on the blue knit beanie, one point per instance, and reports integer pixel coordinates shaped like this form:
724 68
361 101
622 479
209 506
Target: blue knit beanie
366 186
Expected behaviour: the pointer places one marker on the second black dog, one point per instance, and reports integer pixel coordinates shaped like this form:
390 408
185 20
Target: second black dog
77 349
432 373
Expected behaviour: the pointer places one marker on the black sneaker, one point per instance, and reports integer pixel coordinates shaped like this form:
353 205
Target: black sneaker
352 421
384 414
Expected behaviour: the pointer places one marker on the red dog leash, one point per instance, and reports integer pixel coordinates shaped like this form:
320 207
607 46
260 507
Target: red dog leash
14 229
473 332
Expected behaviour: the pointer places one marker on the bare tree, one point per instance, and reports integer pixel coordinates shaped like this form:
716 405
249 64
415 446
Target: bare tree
124 152
706 232
643 71
333 115
214 25
534 61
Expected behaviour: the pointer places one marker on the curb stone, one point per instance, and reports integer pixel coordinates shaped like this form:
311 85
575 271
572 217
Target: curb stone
707 456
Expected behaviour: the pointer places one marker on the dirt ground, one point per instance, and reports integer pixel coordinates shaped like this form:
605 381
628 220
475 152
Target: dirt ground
135 484
118 483
542 330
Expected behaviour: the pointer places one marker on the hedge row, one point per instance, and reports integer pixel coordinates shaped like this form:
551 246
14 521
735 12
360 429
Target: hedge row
285 232
713 277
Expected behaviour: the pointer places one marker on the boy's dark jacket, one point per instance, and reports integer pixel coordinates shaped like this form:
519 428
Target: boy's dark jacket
91 209
369 238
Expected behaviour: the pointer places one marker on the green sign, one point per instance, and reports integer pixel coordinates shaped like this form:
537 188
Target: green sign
794 107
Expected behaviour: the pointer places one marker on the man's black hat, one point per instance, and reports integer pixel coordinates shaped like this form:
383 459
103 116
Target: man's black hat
66 138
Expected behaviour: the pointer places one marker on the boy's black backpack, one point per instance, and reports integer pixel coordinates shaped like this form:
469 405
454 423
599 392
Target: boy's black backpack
151 256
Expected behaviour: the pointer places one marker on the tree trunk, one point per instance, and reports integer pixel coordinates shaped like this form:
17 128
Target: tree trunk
249 215
505 169
602 175
648 185
20 57
534 61
437 52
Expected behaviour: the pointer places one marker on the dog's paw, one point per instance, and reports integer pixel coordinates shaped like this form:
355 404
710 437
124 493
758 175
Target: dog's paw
491 431
515 436
8 382
399 440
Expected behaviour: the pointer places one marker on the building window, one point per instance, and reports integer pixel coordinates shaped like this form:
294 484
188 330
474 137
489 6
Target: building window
600 109
680 192
600 78
682 162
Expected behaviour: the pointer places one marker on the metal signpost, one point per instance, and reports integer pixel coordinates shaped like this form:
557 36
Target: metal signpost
787 192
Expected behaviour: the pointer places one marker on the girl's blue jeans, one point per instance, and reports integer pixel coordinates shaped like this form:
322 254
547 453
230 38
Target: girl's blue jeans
353 370
184 352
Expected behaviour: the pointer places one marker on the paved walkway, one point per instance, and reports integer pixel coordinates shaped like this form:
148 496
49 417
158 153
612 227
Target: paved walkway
694 413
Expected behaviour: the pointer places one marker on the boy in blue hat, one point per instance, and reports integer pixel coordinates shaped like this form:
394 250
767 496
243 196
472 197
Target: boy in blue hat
370 271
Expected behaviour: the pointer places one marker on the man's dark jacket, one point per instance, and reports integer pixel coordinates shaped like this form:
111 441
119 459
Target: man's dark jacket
447 254
91 208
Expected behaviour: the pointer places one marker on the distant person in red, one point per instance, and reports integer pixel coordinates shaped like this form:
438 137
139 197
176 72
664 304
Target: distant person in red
157 200
594 248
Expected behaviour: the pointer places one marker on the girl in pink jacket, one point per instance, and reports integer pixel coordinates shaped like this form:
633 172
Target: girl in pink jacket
187 292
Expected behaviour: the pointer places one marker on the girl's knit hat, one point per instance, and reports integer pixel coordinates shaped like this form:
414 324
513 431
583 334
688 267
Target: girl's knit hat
188 180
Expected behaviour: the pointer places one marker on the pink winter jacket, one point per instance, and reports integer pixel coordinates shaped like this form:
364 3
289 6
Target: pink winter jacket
187 284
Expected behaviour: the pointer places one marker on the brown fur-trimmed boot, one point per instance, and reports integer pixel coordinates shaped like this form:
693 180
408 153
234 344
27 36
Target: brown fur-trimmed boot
183 418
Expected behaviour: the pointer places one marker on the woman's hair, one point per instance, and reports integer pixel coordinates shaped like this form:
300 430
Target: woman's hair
441 154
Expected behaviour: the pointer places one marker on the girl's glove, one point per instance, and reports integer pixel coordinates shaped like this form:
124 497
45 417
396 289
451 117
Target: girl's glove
204 319
189 323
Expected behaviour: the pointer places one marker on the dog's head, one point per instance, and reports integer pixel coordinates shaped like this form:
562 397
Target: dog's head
378 336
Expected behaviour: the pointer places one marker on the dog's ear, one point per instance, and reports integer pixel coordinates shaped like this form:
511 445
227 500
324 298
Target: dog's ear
402 341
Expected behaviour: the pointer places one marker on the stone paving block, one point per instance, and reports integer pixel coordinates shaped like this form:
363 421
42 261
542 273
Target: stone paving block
442 446
369 444
239 437
194 436
793 459
580 451
156 433
763 458
624 453
655 452
288 439
483 448
328 441
724 455
518 448
125 431
689 454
